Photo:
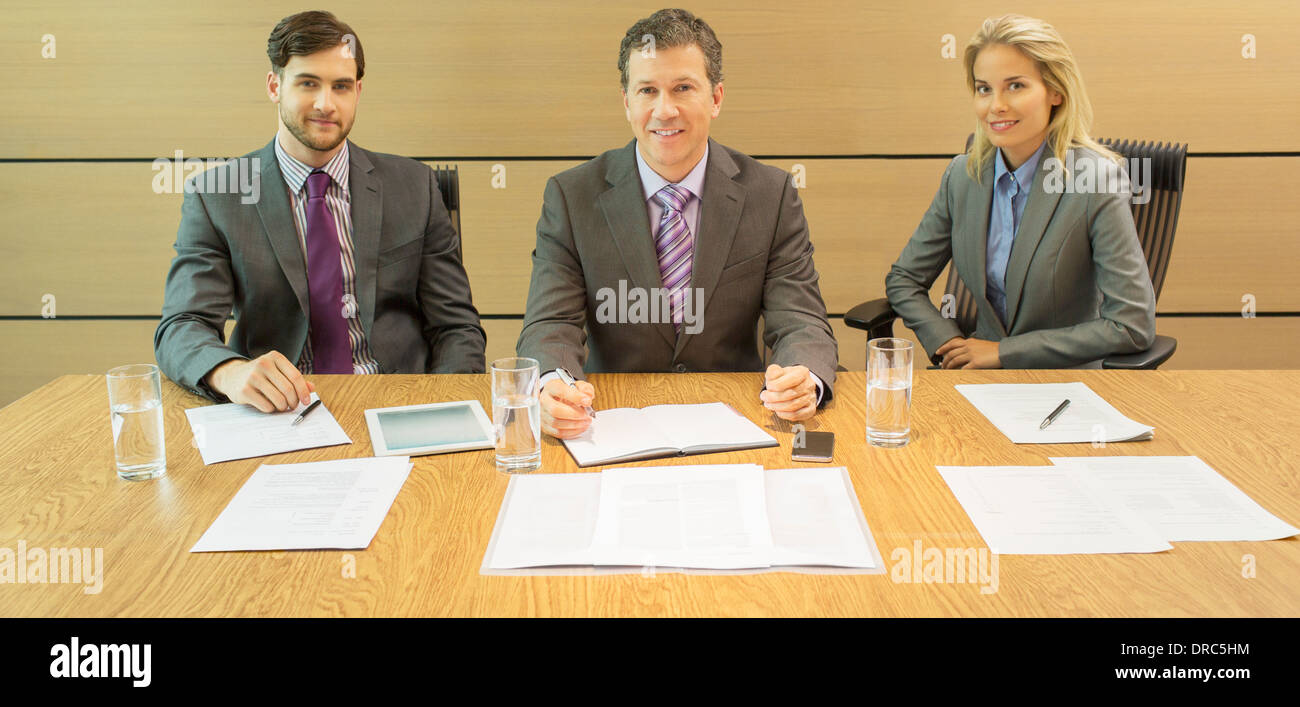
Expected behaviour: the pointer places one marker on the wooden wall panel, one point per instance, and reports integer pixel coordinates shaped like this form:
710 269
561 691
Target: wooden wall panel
1233 342
37 352
502 77
97 237
40 351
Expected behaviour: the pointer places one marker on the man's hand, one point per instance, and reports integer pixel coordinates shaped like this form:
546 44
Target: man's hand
791 392
969 353
564 413
269 382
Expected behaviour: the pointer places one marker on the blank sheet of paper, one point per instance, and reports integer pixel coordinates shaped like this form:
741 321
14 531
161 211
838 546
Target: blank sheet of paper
1017 409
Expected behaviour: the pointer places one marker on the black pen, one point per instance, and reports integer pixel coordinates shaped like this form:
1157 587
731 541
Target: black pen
1055 414
303 414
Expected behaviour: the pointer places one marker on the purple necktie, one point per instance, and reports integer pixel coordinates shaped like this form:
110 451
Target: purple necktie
331 351
673 243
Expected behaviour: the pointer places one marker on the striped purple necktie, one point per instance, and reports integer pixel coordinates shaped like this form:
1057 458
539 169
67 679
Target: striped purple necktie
331 350
674 244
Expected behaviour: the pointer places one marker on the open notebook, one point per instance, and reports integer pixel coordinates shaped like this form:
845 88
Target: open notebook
629 434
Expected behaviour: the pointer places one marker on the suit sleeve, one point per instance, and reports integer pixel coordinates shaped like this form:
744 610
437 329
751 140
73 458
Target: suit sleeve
1128 306
794 314
556 313
190 339
909 280
451 323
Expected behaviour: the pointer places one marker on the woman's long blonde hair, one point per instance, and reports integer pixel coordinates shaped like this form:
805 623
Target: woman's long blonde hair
1070 121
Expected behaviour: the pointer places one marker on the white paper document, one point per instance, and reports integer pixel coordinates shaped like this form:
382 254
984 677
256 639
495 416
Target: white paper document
547 519
683 516
705 517
815 519
1183 498
1017 409
1047 510
234 431
336 504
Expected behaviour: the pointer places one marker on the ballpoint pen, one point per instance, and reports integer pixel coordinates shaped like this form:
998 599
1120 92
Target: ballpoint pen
1055 414
303 414
568 380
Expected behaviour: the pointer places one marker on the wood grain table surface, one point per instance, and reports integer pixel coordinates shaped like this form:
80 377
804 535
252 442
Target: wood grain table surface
58 489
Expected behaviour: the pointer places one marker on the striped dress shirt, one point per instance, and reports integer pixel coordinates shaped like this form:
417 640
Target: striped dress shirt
338 198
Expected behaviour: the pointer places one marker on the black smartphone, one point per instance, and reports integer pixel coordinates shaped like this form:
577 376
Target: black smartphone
816 447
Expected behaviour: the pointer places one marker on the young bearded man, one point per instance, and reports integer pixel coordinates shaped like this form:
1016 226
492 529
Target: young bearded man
347 263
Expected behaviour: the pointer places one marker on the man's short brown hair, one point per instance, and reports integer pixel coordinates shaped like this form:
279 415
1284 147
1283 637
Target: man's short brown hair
673 28
310 32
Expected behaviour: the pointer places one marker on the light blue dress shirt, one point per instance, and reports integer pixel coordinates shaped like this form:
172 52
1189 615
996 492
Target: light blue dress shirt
1010 193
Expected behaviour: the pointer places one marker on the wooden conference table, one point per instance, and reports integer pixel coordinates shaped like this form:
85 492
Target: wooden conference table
58 489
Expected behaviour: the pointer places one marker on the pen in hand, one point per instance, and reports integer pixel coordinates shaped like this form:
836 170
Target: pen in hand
569 381
1055 414
303 414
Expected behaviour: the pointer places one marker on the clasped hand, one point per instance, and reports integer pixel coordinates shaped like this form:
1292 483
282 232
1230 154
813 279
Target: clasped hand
969 353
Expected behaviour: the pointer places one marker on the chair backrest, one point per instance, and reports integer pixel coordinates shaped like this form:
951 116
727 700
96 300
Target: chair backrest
448 177
1160 168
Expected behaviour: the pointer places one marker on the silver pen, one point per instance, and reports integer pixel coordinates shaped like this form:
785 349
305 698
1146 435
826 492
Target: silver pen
1055 414
568 380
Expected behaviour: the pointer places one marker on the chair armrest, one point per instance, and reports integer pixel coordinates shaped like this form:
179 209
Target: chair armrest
1149 360
876 316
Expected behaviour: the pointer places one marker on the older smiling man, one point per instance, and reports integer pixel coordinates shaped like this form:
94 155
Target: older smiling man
719 236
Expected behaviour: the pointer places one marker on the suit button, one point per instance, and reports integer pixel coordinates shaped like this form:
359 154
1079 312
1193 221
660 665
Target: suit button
680 368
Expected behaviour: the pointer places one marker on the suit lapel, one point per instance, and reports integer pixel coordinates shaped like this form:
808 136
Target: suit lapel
367 222
277 221
720 207
624 207
1038 213
973 243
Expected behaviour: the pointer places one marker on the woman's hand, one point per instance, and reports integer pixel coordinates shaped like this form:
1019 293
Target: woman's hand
969 353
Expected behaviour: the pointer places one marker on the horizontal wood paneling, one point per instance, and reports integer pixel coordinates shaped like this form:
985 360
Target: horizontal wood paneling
1233 342
501 77
99 239
36 352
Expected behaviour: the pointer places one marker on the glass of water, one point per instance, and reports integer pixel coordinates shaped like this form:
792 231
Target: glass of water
135 412
516 414
889 392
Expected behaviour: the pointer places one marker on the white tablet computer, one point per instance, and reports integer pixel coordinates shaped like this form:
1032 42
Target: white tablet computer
429 429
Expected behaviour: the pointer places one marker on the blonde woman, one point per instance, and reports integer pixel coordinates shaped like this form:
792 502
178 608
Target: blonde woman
1058 275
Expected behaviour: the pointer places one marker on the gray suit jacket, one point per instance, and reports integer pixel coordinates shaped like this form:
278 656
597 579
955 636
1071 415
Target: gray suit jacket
752 257
1077 286
413 295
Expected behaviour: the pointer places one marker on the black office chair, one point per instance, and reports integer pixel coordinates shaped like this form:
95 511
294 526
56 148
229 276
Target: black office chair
449 185
1155 220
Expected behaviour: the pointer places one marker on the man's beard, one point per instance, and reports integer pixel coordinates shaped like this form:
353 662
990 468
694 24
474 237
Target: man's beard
299 130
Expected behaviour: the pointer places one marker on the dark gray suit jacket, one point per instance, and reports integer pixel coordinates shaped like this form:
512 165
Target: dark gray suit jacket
752 257
413 295
1077 286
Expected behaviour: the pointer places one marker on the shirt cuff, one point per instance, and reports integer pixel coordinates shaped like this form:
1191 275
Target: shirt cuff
821 387
546 378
